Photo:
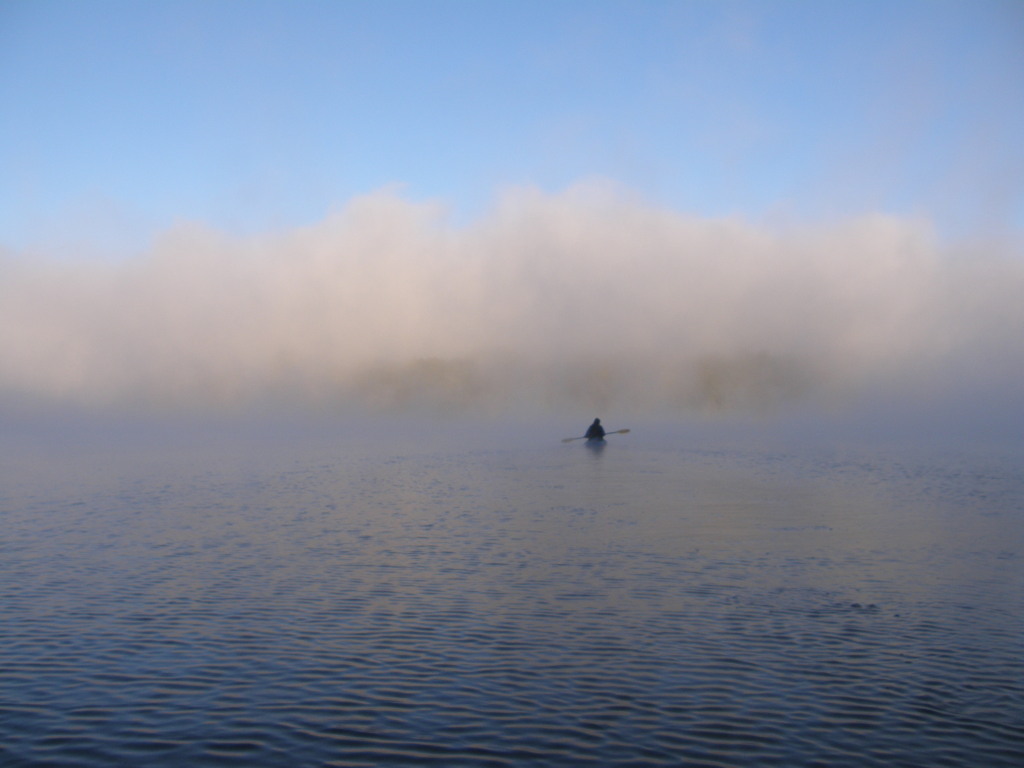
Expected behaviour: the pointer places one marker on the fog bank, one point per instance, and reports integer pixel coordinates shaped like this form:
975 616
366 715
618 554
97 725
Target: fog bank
585 300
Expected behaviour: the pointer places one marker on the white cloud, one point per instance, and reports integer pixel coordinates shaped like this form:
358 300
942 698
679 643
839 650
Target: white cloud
586 298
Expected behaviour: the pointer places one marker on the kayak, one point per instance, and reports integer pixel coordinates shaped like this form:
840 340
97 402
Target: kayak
598 440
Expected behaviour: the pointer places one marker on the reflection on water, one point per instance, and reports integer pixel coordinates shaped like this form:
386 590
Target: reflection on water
296 601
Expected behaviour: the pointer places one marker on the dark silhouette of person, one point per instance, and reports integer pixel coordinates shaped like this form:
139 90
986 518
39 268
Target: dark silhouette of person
595 431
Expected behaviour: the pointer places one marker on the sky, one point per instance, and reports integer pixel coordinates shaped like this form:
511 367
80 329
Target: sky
122 118
403 193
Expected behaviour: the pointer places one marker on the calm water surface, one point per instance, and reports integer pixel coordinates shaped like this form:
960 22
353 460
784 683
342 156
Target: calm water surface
291 599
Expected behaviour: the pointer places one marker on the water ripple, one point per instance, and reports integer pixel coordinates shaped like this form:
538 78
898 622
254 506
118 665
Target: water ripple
500 610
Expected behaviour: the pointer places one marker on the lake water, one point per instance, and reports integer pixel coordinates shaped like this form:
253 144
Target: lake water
292 596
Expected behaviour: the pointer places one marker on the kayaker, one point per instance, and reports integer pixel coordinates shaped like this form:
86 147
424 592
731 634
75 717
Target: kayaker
595 431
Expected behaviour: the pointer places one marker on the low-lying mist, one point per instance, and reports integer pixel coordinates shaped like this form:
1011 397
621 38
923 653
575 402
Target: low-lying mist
586 301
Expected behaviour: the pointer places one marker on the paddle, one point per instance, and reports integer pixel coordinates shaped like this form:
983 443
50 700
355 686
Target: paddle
616 432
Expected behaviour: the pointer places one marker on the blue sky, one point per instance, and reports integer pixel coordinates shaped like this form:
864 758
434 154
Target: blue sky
122 118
